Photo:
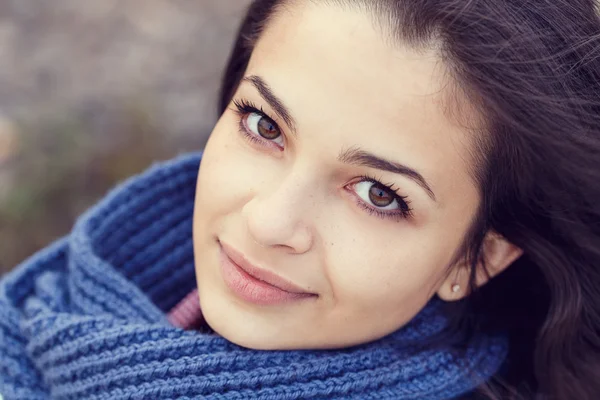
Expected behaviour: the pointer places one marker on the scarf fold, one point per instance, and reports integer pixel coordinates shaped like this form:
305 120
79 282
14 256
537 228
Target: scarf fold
86 319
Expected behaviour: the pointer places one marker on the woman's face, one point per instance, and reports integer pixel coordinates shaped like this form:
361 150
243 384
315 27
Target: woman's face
334 191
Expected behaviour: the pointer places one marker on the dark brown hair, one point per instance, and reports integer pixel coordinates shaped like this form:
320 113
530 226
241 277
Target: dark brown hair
532 70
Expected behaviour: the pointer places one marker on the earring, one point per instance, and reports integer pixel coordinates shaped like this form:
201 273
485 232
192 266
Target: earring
455 288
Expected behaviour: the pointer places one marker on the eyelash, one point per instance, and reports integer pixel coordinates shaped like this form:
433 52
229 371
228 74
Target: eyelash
244 107
404 211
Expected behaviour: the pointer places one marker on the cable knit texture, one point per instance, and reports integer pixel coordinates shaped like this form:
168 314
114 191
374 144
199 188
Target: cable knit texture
86 319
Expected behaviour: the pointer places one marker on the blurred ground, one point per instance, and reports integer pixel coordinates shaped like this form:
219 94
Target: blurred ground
94 91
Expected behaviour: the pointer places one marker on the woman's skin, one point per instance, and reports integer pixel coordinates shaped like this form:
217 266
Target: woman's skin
295 200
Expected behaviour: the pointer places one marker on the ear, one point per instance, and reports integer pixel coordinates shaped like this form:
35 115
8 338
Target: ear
498 254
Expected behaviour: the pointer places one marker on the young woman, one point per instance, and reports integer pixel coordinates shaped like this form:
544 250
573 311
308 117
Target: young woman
399 201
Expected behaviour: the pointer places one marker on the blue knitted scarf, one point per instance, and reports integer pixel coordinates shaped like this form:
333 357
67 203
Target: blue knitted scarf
85 319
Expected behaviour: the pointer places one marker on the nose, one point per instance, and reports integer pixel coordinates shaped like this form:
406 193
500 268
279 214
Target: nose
277 216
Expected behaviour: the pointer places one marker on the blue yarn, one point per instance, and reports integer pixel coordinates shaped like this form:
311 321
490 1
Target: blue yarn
85 319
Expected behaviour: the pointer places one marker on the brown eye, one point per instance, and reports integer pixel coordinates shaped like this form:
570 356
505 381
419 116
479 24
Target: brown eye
381 200
267 129
257 126
380 196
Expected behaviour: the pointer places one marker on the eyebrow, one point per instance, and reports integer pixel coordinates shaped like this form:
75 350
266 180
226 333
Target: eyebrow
353 155
275 102
360 157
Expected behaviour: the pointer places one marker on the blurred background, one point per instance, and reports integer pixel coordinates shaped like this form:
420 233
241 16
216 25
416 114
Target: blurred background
94 91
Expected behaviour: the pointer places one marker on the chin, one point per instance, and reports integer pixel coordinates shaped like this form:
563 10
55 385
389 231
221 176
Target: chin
248 338
256 335
245 329
255 343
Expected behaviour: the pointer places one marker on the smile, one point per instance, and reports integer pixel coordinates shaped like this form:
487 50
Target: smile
256 285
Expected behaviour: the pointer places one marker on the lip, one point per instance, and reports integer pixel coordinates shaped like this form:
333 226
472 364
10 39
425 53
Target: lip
254 284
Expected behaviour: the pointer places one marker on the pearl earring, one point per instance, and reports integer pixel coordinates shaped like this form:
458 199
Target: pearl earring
455 288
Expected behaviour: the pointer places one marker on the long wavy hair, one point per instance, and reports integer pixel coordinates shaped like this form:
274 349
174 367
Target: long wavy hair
532 70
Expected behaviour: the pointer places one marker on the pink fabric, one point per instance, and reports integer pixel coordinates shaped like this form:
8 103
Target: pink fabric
187 313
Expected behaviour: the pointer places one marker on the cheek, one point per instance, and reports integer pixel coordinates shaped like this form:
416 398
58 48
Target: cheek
227 176
400 274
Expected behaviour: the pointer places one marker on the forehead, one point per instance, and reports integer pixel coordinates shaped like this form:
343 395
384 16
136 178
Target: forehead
337 68
321 39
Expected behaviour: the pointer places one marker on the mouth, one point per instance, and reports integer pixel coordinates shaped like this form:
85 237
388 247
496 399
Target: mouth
254 284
